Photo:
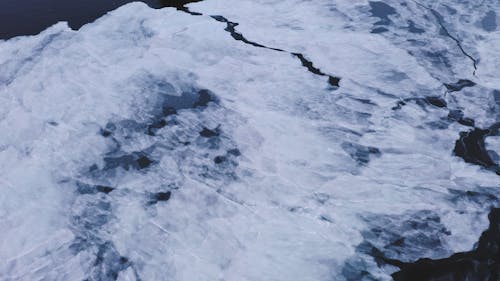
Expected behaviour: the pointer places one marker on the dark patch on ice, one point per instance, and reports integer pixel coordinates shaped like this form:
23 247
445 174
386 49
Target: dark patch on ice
105 133
483 197
192 99
135 160
406 237
144 162
471 147
84 188
364 101
382 11
93 168
92 212
438 58
296 209
495 107
155 126
108 263
458 86
496 97
489 22
204 97
110 126
219 159
172 104
456 115
414 29
325 218
422 102
399 105
207 133
108 130
210 138
480 264
127 127
235 152
355 269
88 216
160 197
467 122
230 156
438 125
104 189
163 93
360 153
378 30
436 101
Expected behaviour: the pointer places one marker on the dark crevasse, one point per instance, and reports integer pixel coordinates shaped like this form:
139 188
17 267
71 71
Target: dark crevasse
231 28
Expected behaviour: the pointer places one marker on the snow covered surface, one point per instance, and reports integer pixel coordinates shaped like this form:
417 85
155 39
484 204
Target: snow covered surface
273 173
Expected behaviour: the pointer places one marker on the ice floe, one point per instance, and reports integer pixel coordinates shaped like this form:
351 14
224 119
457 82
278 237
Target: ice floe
152 145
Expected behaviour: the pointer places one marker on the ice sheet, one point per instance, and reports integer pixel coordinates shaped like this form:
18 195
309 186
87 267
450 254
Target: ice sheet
271 173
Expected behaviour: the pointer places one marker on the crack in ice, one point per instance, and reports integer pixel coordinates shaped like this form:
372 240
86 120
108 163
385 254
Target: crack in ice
231 28
448 34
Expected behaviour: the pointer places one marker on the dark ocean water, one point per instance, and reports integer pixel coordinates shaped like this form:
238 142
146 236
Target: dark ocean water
32 16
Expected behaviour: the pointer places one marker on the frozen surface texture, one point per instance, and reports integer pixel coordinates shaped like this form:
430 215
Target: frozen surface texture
257 141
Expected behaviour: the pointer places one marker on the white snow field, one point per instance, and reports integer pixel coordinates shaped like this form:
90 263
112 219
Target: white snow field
152 145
